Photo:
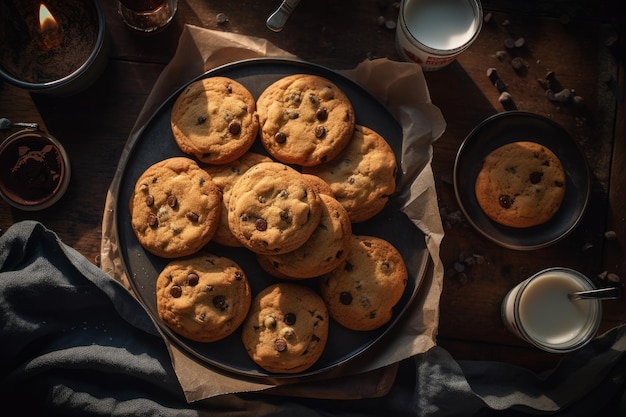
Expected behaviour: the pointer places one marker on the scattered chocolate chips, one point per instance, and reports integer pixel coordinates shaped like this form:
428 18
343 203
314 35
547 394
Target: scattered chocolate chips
321 114
172 201
234 127
535 177
261 225
345 298
219 301
320 131
176 291
152 220
191 216
280 345
193 279
280 137
149 200
290 319
505 201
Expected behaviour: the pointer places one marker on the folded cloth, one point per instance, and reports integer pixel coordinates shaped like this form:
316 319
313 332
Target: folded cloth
75 342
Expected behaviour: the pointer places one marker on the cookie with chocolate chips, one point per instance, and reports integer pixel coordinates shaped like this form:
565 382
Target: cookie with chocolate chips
521 184
225 175
272 209
304 119
204 298
175 208
287 328
327 247
215 120
362 291
363 176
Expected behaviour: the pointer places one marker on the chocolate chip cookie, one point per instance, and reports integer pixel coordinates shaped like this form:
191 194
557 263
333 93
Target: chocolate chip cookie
175 208
304 119
215 120
521 184
363 176
224 176
272 210
362 291
287 328
203 298
327 247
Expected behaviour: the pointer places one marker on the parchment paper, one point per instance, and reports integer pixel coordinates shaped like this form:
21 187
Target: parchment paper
402 88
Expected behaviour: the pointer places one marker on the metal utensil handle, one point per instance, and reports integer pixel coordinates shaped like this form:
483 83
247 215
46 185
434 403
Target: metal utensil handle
277 20
603 293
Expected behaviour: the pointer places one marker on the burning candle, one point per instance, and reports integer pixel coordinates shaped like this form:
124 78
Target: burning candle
52 46
51 32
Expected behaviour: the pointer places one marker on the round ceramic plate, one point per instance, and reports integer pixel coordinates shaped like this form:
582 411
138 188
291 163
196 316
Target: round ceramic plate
155 142
507 127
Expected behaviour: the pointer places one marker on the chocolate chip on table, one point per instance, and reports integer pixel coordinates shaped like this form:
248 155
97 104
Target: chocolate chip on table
280 345
176 291
290 319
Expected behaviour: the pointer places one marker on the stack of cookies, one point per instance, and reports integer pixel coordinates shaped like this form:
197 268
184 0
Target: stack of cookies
292 206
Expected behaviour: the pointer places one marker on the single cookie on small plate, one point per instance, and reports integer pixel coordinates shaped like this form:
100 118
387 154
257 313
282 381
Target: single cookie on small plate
304 119
362 291
327 247
272 210
215 120
286 329
203 298
175 208
225 176
521 184
363 176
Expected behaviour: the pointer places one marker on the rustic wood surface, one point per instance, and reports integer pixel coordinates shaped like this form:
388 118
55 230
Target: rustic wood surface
577 46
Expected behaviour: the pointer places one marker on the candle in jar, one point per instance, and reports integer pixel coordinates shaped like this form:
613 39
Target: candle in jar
52 34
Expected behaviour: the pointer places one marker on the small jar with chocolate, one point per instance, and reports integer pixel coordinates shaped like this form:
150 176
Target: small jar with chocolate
34 170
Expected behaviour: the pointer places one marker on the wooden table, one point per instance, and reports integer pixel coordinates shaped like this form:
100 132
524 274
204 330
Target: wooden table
94 126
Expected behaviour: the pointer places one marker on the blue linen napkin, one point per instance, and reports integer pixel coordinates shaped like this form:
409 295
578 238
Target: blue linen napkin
75 342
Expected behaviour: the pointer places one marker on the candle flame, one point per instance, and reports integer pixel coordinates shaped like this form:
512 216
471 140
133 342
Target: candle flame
51 32
46 20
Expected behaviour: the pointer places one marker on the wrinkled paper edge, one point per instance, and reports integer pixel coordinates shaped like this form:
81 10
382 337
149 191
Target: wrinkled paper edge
401 87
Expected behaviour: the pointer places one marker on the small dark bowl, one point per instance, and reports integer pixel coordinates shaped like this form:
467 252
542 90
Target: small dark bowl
34 170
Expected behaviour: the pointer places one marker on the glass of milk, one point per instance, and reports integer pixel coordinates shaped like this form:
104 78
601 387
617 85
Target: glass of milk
434 32
539 310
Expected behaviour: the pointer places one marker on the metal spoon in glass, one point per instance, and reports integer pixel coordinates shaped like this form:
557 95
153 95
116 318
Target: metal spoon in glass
610 293
6 124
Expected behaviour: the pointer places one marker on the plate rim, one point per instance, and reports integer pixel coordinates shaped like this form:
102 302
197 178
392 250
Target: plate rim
425 258
500 118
